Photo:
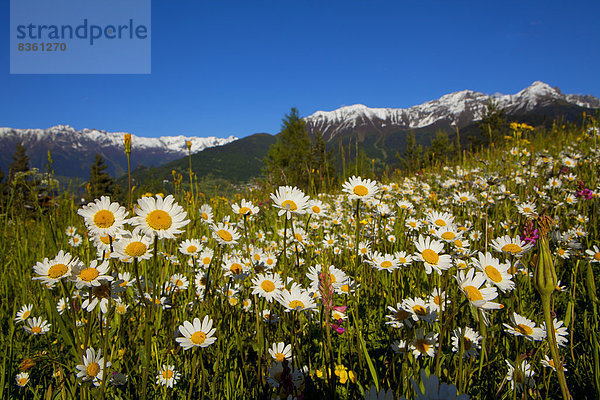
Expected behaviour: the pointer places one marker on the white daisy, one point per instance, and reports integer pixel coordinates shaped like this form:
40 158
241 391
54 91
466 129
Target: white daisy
246 208
196 334
160 217
473 286
37 326
92 368
429 251
103 217
90 276
224 234
280 351
360 189
522 326
133 245
267 286
495 273
50 272
24 313
167 376
290 200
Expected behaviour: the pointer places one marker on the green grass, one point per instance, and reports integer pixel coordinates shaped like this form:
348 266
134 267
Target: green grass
238 365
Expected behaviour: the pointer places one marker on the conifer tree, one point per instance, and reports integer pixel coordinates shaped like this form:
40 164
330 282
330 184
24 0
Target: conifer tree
289 160
494 123
101 183
412 153
20 162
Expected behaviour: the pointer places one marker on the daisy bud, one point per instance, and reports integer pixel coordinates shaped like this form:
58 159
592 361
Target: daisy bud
545 275
127 142
188 143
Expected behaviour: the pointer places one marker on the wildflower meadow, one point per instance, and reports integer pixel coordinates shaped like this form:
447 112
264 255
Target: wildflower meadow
475 278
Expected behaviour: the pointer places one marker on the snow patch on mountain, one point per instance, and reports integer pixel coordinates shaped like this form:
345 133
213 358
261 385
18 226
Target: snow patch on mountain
457 109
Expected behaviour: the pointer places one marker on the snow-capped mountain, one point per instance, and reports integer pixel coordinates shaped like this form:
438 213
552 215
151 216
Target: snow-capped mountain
73 150
451 110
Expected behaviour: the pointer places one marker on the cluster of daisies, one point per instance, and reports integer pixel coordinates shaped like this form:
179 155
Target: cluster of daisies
315 258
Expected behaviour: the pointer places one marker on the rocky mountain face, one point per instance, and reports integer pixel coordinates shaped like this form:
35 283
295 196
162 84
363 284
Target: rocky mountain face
453 110
73 150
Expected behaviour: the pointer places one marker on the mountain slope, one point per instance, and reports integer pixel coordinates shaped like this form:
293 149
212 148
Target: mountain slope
73 151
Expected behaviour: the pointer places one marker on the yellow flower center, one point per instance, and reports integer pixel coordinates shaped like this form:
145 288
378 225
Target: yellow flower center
279 357
360 190
198 337
204 215
458 243
464 198
316 209
105 239
206 260
57 270
386 264
178 282
167 374
136 249
493 273
236 268
332 278
524 329
159 220
225 235
290 205
473 293
440 222
298 237
295 304
192 249
104 219
270 261
36 329
430 256
22 382
512 248
92 369
89 274
597 256
245 210
422 345
25 315
267 286
448 235
419 310
345 288
437 300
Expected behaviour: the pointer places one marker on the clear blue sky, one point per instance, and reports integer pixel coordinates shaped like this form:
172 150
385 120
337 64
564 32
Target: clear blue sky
224 67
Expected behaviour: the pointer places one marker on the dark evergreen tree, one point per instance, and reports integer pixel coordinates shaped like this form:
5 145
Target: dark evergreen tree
441 148
412 153
20 162
289 160
494 123
101 183
322 162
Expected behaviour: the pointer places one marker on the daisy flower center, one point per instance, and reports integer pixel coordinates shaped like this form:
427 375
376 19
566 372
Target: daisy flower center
290 205
448 235
159 220
437 300
105 239
89 274
57 270
527 209
467 343
92 369
267 286
473 293
464 198
419 310
136 249
422 345
22 382
524 329
316 209
198 337
430 256
245 210
298 237
493 273
167 374
345 288
360 190
179 282
440 222
236 268
295 304
36 330
225 235
104 219
332 278
270 261
386 264
206 260
279 357
204 215
597 256
401 314
26 314
192 249
512 248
